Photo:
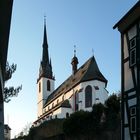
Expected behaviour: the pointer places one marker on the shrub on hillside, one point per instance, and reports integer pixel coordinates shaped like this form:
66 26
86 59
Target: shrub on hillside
78 123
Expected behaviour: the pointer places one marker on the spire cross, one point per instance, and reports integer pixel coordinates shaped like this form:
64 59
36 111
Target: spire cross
74 50
45 19
92 51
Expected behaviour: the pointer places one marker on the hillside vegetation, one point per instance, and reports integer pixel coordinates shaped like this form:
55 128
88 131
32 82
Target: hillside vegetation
103 123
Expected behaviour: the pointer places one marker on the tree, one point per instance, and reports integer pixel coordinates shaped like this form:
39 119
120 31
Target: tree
10 91
112 112
113 103
79 123
97 115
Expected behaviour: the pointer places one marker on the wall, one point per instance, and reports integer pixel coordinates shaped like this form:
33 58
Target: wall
44 93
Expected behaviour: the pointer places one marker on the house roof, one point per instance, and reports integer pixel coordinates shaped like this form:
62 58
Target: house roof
88 71
127 20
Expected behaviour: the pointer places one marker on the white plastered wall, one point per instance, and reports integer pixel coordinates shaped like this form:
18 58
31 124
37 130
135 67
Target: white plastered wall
43 93
101 94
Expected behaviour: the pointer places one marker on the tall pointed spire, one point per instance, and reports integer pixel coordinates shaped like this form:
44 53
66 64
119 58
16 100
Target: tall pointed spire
45 66
45 56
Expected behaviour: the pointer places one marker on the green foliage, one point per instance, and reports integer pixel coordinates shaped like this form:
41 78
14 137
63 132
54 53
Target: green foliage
78 122
97 112
46 129
113 103
10 91
82 125
9 71
112 112
97 115
102 117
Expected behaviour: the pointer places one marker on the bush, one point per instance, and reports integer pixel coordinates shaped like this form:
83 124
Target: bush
78 123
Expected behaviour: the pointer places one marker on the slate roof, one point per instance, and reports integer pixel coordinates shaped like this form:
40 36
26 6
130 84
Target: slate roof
88 71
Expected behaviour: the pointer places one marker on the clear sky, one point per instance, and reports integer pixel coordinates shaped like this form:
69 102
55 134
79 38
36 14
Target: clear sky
84 23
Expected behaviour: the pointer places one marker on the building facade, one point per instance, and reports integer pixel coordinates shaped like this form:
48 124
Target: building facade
85 87
7 132
5 20
129 27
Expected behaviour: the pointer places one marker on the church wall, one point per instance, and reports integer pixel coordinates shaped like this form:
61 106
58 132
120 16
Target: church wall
54 103
43 93
61 112
101 94
71 95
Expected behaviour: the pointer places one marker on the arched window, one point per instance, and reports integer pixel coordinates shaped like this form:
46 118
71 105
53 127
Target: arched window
76 101
88 96
48 85
67 115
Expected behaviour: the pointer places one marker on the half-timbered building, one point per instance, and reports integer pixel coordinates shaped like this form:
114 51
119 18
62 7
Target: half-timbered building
129 27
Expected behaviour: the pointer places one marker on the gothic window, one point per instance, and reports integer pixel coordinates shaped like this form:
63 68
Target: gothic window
88 96
76 101
39 87
48 85
132 51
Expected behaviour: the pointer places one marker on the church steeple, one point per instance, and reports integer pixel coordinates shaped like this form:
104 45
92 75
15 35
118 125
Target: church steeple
45 65
45 56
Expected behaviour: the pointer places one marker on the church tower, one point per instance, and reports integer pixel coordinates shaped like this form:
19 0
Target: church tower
45 82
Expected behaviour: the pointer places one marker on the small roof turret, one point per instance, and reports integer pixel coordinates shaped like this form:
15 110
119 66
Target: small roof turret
74 62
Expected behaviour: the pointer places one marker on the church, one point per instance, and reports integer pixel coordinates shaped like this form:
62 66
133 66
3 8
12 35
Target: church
85 87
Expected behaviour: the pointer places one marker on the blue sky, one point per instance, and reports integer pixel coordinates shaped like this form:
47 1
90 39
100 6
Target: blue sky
84 23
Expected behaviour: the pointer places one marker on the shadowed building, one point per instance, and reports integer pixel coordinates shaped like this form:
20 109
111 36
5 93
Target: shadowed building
129 27
85 87
5 20
7 132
